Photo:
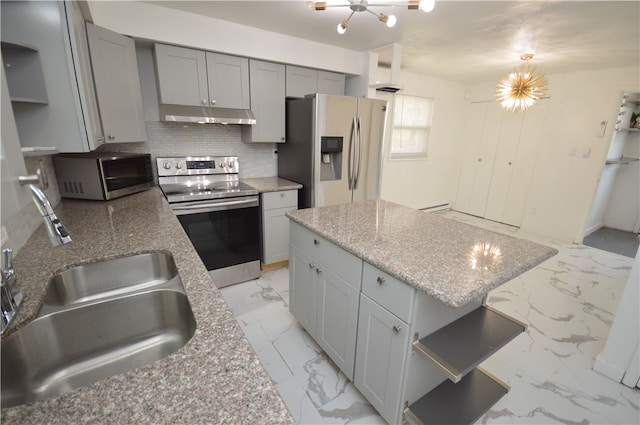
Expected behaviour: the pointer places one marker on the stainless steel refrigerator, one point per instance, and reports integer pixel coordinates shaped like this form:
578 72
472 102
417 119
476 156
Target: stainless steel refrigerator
333 148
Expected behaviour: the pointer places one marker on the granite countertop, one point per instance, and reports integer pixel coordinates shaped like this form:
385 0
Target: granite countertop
442 257
215 378
271 184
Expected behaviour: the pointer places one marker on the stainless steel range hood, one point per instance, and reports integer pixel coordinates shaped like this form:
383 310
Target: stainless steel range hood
205 115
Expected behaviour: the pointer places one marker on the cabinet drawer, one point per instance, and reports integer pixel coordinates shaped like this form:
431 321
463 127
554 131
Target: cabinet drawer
329 255
281 199
389 292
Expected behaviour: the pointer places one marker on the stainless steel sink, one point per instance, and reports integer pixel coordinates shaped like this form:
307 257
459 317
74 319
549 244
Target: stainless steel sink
88 282
97 320
78 346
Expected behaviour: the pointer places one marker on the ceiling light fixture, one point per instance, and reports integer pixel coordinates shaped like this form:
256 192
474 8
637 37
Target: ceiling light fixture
363 6
521 88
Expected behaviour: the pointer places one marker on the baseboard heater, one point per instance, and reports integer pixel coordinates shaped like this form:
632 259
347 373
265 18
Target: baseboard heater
438 207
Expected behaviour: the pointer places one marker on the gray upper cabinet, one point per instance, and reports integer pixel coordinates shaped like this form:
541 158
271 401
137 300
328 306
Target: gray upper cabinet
115 71
197 78
84 74
267 81
228 78
303 81
330 83
182 76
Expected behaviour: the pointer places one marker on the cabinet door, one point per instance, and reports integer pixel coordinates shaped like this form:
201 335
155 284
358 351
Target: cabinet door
301 81
267 81
276 235
383 341
182 76
84 74
303 289
337 319
330 83
228 78
115 70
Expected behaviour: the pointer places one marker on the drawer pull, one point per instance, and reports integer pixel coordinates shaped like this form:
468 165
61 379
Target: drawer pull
397 328
312 266
380 280
316 242
318 270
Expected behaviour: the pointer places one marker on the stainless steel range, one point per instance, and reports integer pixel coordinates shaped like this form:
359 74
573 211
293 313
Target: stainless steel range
220 214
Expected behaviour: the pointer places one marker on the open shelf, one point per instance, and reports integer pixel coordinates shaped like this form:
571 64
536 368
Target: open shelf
461 403
24 73
465 343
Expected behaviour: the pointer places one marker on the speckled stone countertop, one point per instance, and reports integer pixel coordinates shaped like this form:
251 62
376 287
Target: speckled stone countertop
271 184
439 256
215 378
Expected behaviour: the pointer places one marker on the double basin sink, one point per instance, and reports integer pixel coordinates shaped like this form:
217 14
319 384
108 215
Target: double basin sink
97 320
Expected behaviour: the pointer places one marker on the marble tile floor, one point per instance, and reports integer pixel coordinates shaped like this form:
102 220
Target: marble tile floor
568 303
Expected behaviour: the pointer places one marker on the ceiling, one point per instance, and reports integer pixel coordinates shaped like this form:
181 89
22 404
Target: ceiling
465 41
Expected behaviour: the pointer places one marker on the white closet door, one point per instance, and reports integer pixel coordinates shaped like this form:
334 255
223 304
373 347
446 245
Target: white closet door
503 165
482 131
473 126
524 161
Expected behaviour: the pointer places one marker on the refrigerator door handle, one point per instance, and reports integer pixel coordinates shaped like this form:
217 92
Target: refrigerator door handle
358 154
351 159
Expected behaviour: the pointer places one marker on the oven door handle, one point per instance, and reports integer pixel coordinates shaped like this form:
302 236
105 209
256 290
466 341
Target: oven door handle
215 206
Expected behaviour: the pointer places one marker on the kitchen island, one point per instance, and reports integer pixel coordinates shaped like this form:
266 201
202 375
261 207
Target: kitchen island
215 378
395 297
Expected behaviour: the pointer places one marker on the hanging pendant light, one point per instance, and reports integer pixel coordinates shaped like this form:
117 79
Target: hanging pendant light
521 88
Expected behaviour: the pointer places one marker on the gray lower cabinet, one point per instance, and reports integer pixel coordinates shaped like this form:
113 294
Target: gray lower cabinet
324 284
275 224
197 78
383 341
267 87
115 72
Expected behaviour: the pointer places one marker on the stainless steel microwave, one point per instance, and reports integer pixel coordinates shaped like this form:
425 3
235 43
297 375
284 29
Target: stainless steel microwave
102 175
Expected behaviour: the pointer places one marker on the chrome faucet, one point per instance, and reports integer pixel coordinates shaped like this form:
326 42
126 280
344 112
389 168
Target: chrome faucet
56 231
9 301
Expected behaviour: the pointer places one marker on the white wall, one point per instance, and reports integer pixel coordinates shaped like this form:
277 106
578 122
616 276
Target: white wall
617 355
571 154
421 183
147 21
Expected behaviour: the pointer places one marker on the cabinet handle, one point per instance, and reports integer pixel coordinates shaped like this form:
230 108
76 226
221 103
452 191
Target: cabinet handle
380 280
316 242
213 102
479 159
318 270
204 102
312 266
111 137
509 162
397 329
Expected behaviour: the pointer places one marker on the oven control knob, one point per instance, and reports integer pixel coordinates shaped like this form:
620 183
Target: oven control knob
166 165
221 164
178 165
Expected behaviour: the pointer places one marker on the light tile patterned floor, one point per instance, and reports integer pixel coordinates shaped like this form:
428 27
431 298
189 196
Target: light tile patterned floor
568 302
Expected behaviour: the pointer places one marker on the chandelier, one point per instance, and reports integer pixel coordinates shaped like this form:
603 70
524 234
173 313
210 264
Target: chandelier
521 88
363 6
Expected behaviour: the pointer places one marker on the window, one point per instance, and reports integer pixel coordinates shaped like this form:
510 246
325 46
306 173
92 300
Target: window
411 125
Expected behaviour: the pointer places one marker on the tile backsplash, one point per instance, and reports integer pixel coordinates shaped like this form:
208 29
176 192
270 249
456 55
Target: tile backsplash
180 139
